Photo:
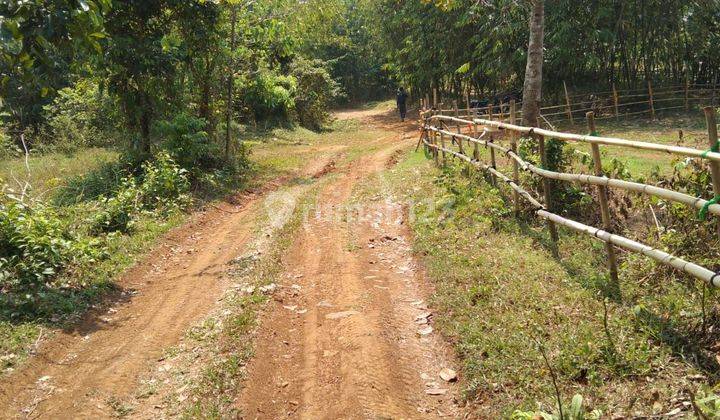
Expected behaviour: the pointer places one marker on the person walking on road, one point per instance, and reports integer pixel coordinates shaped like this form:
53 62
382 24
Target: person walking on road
402 103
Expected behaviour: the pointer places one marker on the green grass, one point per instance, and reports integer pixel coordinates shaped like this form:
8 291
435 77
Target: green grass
665 130
274 153
502 299
52 170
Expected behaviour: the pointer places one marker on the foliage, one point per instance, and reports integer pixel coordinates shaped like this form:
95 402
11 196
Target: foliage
36 245
39 42
269 95
567 198
162 187
315 91
7 147
80 116
588 44
184 138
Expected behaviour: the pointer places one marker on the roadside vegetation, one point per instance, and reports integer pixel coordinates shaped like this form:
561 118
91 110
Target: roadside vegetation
109 137
532 329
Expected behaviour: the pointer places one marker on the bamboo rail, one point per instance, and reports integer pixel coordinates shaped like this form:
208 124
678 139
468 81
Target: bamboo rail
663 257
598 180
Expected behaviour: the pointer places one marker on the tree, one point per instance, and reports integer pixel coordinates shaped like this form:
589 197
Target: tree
532 87
40 40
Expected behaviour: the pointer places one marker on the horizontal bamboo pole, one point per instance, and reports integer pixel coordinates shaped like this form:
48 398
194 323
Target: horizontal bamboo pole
493 171
636 187
701 273
608 141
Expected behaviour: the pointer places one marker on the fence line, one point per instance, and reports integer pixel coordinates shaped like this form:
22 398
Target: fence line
606 101
432 128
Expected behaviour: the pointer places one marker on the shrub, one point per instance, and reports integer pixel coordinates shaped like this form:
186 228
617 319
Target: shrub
7 148
103 181
567 199
316 89
185 140
162 186
80 116
115 213
35 245
269 95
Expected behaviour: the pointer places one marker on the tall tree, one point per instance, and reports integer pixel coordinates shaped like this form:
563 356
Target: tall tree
532 88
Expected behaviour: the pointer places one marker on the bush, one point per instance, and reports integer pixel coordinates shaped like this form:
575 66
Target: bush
35 245
185 140
316 90
162 186
7 148
269 95
80 116
115 213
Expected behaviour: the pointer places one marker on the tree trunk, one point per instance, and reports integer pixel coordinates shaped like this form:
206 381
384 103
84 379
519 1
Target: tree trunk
532 88
231 80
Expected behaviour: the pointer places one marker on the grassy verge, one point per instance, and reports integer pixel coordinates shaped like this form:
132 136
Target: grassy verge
519 317
274 153
50 171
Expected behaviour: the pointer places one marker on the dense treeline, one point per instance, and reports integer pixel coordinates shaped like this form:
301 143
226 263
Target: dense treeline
275 61
456 44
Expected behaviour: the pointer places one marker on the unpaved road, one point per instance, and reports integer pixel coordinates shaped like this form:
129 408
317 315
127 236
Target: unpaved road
350 348
348 345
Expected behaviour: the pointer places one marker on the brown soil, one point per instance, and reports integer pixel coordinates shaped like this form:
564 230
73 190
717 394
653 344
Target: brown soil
351 347
348 344
83 371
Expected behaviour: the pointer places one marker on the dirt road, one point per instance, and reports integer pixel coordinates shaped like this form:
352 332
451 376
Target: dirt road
353 343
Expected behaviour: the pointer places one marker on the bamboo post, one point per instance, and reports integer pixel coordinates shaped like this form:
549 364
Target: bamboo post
436 155
459 129
711 119
442 144
457 115
652 103
467 102
547 192
513 147
615 99
493 162
427 100
476 148
435 98
604 207
568 104
687 93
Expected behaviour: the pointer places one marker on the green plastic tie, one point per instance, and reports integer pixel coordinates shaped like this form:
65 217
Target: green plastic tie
714 149
594 134
704 210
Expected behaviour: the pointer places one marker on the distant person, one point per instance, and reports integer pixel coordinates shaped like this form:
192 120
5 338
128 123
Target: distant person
402 103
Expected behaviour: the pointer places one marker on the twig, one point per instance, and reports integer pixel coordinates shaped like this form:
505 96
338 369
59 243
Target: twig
696 409
552 375
657 223
27 166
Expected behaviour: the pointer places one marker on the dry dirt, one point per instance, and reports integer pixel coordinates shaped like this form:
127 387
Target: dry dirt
351 348
349 345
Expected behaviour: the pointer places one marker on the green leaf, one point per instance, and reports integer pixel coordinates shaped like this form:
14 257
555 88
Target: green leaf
576 407
463 69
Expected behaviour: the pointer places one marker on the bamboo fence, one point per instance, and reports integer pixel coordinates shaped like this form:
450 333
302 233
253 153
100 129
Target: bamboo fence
605 105
437 128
